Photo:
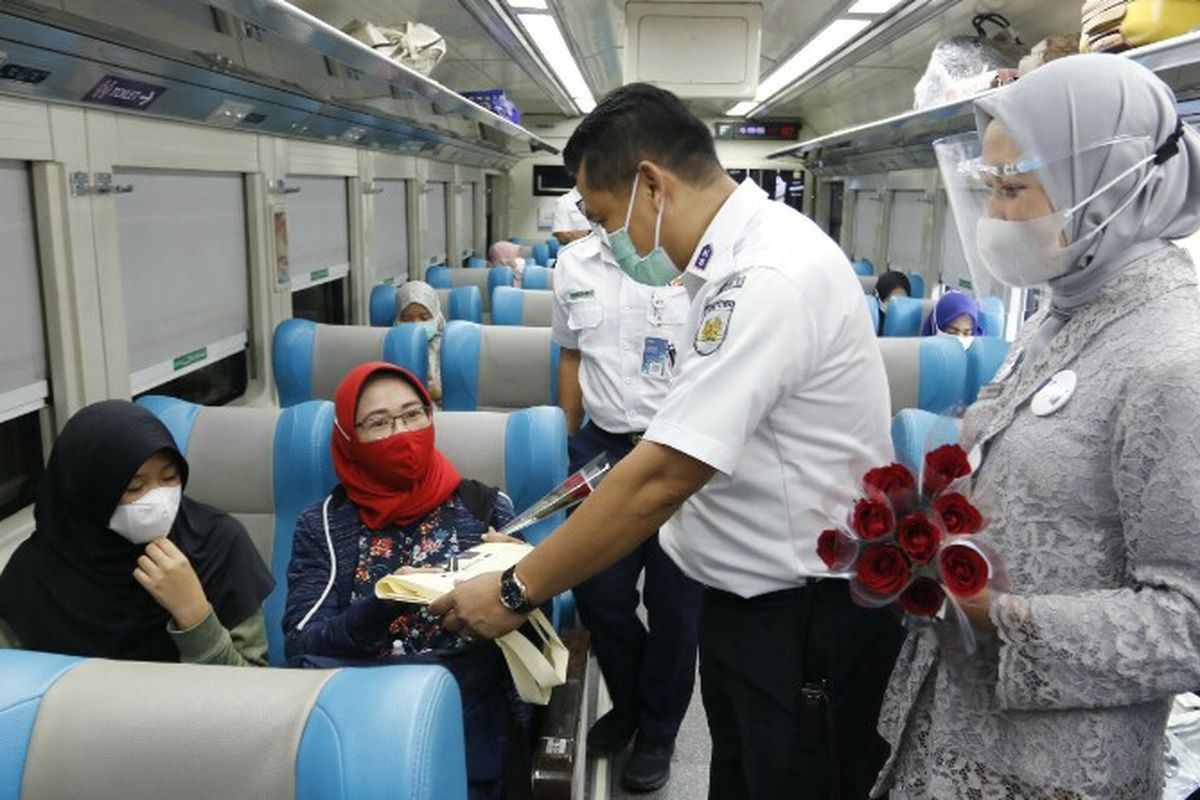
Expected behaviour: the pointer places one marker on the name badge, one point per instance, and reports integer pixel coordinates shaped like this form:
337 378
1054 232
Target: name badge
656 355
1055 394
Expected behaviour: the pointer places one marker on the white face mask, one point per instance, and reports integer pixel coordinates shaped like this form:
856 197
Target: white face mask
149 517
965 341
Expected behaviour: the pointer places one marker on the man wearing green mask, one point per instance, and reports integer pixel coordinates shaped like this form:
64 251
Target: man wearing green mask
778 405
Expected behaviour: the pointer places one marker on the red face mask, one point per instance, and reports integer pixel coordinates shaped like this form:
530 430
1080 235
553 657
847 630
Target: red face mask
399 479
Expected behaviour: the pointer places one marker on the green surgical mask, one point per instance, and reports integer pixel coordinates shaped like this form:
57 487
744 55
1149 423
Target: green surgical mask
654 269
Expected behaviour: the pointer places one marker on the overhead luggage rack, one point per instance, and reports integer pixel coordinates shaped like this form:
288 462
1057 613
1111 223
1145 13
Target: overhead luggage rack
903 141
259 65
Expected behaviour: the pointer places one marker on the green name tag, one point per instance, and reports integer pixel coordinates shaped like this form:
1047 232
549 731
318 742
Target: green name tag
580 294
319 274
187 359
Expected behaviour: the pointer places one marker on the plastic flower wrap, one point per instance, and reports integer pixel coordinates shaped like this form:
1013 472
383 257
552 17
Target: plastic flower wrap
910 541
570 492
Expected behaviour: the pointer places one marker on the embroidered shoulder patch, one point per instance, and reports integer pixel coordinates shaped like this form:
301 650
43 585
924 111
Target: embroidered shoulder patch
714 326
736 282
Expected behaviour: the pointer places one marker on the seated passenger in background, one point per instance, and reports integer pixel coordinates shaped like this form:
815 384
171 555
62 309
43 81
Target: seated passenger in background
122 564
956 314
508 254
890 284
418 302
401 505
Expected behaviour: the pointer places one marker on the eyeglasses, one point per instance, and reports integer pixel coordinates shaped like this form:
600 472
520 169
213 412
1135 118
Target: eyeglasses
379 426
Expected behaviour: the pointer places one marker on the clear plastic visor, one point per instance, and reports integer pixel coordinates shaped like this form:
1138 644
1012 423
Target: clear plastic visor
985 192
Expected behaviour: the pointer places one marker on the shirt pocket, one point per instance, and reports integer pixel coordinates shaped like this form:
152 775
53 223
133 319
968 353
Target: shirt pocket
584 315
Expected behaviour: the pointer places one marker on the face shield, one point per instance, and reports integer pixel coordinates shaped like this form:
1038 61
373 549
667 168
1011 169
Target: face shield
1012 234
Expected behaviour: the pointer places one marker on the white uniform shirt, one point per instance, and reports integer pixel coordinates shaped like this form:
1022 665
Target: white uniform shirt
629 335
567 216
780 387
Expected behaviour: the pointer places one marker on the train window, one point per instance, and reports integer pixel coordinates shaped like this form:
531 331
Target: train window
324 302
24 384
433 247
318 229
213 385
868 215
464 196
184 272
389 232
837 196
20 462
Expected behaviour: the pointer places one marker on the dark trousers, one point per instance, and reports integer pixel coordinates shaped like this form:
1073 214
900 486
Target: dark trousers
750 678
650 673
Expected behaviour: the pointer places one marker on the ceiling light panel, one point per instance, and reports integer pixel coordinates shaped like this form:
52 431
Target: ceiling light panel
534 5
865 6
547 37
743 108
820 47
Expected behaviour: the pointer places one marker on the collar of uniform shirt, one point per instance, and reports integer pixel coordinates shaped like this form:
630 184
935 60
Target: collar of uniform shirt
724 231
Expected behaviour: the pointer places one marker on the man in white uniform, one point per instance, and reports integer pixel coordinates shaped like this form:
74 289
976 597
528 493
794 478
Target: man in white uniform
778 407
620 341
569 223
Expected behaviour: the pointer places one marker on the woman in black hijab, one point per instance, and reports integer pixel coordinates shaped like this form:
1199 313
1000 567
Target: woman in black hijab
890 283
121 565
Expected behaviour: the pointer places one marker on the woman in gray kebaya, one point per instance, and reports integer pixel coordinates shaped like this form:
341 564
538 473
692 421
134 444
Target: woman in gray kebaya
1090 446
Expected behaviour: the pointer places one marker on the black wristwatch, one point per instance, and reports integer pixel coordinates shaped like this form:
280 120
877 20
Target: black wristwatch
512 592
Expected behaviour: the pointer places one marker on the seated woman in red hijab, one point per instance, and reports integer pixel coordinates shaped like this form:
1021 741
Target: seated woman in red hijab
400 505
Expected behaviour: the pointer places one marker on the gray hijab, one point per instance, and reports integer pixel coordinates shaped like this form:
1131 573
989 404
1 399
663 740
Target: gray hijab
1075 103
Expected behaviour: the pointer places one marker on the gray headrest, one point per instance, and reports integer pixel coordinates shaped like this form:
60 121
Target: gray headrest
902 362
231 456
443 296
514 367
127 730
474 443
868 283
537 308
461 276
337 349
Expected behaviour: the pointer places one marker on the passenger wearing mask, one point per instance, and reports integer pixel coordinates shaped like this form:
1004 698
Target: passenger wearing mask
890 284
956 314
122 564
509 254
400 506
418 303
1079 177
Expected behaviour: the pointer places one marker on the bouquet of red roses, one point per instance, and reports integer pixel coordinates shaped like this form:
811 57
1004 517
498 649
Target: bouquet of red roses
914 545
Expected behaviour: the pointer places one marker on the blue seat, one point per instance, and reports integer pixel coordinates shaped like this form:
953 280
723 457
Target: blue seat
541 254
918 285
465 302
264 466
210 731
486 280
529 307
873 310
863 266
906 316
927 372
916 432
476 262
991 316
554 246
310 360
986 355
517 240
537 278
498 367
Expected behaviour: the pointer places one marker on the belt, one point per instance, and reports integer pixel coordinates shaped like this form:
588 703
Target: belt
631 438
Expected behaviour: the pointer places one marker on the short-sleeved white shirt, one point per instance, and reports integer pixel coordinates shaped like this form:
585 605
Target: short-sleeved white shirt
780 387
629 335
567 216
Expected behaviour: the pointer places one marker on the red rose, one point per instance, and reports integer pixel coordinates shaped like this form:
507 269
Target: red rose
873 519
957 513
918 537
882 569
894 481
964 570
923 597
944 466
837 549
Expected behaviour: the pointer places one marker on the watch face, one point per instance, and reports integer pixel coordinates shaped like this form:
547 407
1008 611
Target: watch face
510 593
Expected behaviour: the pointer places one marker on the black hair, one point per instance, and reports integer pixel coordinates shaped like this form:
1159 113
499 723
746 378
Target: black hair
637 122
891 281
